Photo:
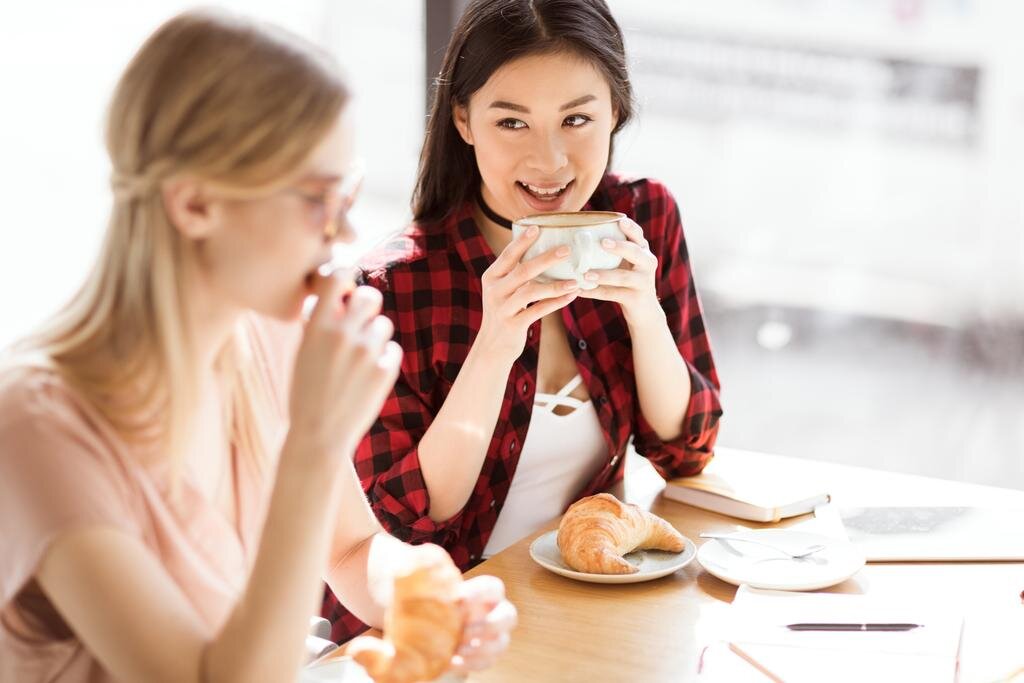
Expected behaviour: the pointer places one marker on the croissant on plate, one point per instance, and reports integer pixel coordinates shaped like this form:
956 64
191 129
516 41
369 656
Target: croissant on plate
597 531
422 627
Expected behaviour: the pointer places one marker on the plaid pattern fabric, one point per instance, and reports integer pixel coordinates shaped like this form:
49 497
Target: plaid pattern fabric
430 278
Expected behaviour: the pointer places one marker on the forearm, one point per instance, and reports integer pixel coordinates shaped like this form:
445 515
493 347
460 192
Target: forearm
453 449
662 378
362 578
358 538
262 639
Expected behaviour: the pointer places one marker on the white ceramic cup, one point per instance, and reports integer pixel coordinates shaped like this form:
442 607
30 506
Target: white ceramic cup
581 231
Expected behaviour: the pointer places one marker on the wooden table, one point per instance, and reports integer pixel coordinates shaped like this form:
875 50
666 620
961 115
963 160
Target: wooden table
654 631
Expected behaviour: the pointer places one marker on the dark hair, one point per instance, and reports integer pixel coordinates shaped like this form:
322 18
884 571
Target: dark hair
489 34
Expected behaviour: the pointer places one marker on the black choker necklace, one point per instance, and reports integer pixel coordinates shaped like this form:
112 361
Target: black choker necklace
489 212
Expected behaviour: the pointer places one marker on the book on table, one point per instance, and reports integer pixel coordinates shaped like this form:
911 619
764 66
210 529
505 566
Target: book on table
754 486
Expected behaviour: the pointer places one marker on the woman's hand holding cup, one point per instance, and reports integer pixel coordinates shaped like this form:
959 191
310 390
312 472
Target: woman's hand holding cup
513 300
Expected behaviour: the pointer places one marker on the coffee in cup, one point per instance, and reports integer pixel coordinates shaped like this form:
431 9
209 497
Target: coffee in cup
582 232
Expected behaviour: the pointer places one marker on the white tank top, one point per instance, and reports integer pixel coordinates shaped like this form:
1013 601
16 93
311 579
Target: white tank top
560 455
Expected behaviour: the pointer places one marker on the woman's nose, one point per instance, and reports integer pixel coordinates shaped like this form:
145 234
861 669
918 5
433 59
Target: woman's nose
547 155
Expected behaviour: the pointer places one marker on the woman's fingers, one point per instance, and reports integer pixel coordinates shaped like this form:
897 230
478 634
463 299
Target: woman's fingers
372 360
383 373
533 291
489 620
345 365
328 291
527 270
480 655
380 331
479 595
637 254
633 232
540 309
359 333
390 361
363 307
619 295
502 618
486 612
513 253
618 277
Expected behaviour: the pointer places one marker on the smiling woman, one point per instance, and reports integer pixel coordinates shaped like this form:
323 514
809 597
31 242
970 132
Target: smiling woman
489 38
518 397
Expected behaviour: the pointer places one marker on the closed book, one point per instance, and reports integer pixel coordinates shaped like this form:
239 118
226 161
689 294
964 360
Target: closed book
753 486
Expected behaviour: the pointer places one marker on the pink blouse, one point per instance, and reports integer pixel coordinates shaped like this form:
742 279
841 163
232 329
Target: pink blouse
62 467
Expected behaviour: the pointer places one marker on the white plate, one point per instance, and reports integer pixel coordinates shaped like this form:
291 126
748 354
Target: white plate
653 564
335 670
344 670
760 567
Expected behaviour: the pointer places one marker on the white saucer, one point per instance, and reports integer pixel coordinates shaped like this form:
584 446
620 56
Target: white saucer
653 564
335 670
760 567
344 670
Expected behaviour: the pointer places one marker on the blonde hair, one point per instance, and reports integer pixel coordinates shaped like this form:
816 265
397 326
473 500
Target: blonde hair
215 97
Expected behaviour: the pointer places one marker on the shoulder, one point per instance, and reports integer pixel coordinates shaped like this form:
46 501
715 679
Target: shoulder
648 202
414 249
44 420
32 390
60 468
644 200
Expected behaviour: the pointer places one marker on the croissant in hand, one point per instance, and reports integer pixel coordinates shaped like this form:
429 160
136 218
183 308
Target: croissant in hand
422 627
597 531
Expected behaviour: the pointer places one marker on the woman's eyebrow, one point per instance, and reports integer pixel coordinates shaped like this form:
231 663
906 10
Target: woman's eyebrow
577 102
503 104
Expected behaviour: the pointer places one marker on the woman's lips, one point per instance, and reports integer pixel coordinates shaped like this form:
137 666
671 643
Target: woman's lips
545 204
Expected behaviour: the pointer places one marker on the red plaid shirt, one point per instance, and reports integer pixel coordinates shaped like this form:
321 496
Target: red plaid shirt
430 279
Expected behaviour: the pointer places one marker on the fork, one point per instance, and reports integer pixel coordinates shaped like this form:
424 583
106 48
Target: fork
796 553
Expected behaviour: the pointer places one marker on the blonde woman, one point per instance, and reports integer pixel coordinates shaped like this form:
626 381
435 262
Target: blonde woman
175 468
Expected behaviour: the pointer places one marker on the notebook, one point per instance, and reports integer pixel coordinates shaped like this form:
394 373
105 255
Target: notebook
754 486
762 646
928 534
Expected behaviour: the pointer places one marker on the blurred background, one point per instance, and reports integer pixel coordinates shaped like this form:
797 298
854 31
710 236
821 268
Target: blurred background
849 173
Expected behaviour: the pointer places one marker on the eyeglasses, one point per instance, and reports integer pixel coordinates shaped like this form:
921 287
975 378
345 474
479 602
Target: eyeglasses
332 204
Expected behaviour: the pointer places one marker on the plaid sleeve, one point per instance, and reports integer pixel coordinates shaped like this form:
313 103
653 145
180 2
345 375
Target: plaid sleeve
387 459
388 464
693 449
